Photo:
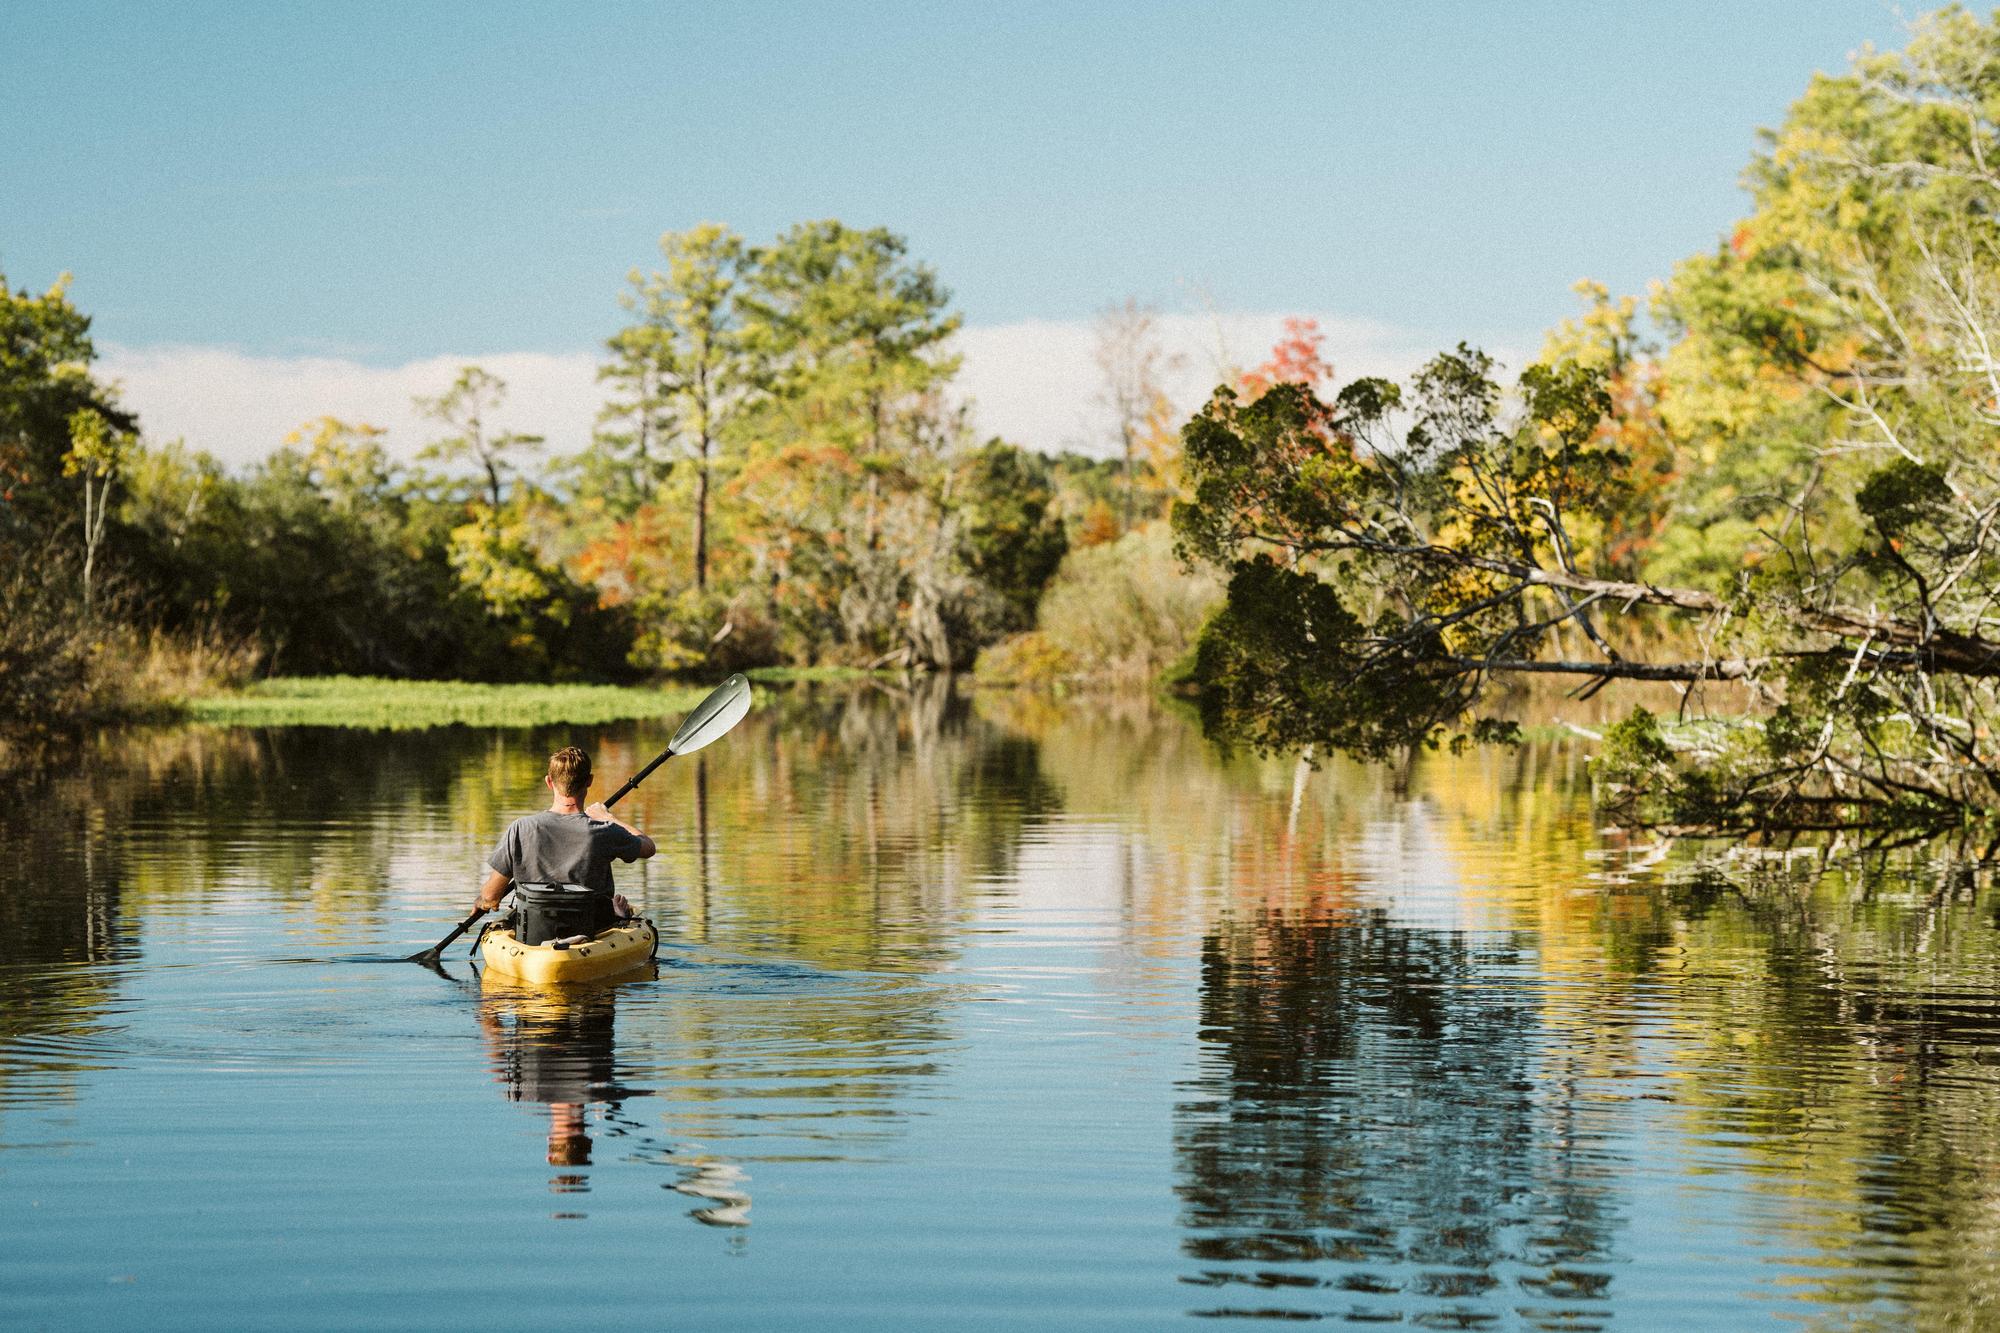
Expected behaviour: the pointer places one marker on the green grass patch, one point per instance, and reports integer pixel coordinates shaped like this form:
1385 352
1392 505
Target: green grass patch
409 705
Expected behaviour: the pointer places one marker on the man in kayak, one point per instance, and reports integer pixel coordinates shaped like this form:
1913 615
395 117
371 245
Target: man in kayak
567 844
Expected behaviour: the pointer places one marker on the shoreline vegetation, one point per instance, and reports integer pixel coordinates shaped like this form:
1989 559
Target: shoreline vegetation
1775 492
380 703
376 703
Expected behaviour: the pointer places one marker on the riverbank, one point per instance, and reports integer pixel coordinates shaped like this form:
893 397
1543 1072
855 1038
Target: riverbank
379 703
405 705
375 703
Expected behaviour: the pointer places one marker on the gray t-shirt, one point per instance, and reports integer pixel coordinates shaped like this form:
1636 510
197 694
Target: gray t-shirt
548 848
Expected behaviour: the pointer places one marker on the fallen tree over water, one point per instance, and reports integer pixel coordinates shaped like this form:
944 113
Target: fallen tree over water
1381 581
1801 494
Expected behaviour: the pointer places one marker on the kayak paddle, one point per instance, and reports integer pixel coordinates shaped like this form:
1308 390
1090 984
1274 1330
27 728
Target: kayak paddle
710 721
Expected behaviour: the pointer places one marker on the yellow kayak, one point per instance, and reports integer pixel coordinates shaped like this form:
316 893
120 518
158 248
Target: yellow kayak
604 955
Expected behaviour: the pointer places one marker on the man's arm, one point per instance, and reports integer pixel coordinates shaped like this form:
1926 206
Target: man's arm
602 811
493 890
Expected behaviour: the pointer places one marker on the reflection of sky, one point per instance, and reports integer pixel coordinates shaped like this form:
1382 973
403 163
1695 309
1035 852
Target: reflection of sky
1403 866
1087 877
1073 865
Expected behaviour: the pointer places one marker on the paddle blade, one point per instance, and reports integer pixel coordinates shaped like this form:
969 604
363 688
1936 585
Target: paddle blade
713 717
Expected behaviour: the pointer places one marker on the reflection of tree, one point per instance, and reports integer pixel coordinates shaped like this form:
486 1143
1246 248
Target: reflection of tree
306 821
325 826
846 827
1837 1031
1367 1104
60 917
1824 1048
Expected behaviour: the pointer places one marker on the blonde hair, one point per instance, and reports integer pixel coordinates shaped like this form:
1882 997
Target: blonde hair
569 769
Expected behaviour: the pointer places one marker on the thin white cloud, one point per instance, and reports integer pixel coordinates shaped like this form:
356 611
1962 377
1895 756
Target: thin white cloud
1034 383
240 407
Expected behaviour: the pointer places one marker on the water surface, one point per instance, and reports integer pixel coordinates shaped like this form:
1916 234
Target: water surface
984 1012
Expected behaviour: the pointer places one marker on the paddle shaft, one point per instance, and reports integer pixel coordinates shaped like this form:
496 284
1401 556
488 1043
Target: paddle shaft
438 949
638 778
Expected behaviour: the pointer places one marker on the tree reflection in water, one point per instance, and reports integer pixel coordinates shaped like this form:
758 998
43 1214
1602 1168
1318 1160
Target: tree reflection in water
63 917
1367 1117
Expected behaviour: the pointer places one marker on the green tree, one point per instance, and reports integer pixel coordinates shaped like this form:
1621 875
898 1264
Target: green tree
97 455
467 408
548 624
1012 538
1381 580
347 463
63 438
628 457
1125 609
848 331
45 382
333 558
850 438
1606 340
1833 405
688 346
311 552
1850 319
1377 582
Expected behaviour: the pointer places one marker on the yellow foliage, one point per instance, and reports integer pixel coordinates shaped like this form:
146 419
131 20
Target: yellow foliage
494 557
1100 525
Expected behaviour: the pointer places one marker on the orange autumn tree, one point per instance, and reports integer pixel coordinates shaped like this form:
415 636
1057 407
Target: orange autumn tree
1295 358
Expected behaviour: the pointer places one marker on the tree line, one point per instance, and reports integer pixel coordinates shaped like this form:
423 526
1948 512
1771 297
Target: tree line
778 475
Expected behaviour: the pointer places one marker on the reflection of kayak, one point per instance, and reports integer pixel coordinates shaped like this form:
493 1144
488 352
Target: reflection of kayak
604 955
553 1044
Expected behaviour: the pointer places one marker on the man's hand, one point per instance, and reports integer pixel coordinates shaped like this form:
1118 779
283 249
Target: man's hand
493 890
602 811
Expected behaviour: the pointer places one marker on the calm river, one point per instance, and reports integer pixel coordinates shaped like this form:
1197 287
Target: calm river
974 1011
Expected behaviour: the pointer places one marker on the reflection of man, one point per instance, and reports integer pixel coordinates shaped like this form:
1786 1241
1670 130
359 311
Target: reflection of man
559 1051
569 1135
566 844
559 1048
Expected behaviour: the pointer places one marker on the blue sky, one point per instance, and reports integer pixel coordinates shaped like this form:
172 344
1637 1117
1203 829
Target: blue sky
384 183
